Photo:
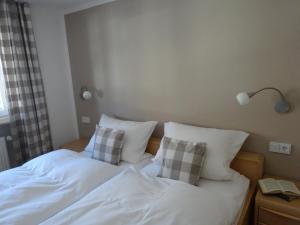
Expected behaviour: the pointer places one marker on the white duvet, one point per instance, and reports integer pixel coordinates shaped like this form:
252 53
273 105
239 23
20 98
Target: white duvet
134 198
47 184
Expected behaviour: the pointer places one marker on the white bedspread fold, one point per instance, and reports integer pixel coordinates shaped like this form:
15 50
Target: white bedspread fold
47 184
134 198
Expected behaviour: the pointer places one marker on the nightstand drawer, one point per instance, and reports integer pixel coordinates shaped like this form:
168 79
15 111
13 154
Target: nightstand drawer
270 217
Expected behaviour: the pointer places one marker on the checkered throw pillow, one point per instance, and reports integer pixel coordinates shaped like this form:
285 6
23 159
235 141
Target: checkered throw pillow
108 145
182 160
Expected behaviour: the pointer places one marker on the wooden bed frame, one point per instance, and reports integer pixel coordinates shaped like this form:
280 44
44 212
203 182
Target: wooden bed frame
249 164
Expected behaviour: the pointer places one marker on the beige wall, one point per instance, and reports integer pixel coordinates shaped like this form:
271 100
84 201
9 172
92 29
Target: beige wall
48 27
186 60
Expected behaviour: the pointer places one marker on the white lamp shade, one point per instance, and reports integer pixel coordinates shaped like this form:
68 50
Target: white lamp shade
243 98
86 95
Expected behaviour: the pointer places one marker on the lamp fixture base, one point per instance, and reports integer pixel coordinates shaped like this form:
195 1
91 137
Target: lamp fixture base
282 107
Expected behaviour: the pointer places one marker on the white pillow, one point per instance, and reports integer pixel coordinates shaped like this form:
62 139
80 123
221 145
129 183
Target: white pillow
90 145
222 147
137 135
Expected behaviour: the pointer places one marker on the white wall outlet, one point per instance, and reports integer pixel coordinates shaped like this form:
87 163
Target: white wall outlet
282 148
85 119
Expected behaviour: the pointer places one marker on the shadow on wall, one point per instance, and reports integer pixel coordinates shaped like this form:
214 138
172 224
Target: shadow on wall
293 97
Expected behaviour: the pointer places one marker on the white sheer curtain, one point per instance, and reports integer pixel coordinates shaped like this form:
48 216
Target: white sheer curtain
3 101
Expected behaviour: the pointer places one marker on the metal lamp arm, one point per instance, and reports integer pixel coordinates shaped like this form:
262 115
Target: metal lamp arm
251 94
281 106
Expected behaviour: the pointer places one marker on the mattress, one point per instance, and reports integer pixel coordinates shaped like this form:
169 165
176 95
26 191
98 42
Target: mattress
135 197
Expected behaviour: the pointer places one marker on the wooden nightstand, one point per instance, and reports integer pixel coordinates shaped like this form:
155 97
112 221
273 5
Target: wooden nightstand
271 210
76 145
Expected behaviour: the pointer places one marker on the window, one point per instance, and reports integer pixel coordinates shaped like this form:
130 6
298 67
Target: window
3 101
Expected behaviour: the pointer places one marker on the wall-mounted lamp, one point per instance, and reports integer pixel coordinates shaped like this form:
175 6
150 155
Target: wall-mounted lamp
282 106
85 94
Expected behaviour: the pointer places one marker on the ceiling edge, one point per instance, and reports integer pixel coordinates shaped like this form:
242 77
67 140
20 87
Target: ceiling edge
86 5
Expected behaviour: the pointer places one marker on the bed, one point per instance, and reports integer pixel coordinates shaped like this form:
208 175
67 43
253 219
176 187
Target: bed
249 164
42 187
144 201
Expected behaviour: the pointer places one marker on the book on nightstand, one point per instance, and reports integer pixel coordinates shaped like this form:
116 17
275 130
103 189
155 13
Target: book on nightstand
279 187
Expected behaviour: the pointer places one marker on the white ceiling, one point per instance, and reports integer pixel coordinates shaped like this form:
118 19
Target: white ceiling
70 5
64 2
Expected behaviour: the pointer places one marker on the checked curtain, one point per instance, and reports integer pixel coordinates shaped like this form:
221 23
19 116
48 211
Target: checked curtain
24 86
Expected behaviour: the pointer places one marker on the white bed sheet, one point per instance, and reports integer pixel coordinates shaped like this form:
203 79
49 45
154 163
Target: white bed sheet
237 218
238 186
146 160
32 193
135 198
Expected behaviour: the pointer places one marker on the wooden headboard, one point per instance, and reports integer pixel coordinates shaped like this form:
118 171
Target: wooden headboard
250 164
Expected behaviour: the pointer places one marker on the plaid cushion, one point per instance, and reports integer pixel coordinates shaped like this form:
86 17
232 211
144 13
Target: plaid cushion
182 160
108 145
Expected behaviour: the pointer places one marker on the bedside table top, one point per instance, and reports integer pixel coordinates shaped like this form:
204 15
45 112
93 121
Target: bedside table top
77 145
274 203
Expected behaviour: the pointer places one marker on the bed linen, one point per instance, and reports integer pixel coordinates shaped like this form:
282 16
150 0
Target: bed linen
238 186
146 159
32 193
135 198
